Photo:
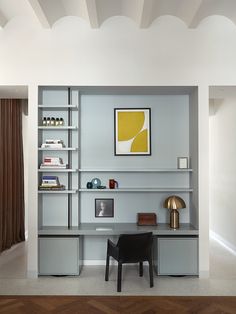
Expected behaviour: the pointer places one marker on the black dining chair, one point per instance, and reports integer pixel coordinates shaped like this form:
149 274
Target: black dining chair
131 248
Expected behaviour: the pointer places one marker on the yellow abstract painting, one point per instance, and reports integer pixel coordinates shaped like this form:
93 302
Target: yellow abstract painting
132 131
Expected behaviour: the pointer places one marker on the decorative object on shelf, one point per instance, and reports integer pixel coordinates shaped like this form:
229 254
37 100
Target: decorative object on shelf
47 121
113 184
101 187
89 185
44 122
51 183
132 131
96 182
147 219
174 203
104 207
53 144
57 122
182 162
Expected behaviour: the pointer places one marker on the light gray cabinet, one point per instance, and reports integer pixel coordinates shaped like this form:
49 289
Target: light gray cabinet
60 255
177 256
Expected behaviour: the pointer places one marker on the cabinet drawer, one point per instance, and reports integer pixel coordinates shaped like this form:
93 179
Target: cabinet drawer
59 255
177 256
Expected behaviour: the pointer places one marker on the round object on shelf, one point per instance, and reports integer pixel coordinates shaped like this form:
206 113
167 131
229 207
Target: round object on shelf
96 182
89 185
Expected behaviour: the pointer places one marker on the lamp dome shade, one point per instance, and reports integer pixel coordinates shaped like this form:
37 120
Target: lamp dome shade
174 202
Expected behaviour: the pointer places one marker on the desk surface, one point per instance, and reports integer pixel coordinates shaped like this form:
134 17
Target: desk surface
117 229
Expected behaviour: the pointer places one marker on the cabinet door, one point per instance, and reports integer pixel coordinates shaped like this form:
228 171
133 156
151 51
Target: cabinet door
59 256
177 256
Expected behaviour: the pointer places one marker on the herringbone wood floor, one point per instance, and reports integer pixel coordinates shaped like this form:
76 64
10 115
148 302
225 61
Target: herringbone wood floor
116 305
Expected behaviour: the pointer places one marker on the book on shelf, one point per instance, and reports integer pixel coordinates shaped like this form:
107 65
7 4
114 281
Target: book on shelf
53 166
50 141
58 146
50 181
52 160
52 188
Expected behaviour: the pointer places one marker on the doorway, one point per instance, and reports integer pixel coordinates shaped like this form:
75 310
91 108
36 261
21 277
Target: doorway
222 152
13 260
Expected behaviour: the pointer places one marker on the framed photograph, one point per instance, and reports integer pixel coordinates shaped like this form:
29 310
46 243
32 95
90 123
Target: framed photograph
104 207
132 131
182 162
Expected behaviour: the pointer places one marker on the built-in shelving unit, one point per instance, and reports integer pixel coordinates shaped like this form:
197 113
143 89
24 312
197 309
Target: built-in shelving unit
61 103
144 181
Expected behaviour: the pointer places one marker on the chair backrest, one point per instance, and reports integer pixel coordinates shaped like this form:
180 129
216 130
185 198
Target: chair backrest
135 247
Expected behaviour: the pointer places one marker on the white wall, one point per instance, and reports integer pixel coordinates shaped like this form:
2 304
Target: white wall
223 168
71 53
26 155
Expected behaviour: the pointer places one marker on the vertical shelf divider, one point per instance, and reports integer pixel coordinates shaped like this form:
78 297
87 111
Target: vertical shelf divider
69 162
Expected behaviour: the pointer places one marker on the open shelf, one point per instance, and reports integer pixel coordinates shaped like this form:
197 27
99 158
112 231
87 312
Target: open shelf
64 127
136 170
58 149
58 192
138 189
57 170
56 108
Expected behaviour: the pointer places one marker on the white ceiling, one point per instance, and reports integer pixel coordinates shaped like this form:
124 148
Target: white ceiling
143 12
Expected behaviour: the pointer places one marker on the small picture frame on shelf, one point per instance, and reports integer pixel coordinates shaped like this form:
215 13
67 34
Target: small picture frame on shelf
182 162
104 207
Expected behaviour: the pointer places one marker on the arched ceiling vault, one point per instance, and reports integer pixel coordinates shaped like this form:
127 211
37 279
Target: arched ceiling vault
143 12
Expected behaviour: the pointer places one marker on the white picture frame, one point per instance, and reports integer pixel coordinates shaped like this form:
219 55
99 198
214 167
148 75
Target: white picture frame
182 162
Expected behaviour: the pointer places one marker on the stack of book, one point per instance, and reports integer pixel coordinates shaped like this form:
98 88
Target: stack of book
56 144
51 183
53 162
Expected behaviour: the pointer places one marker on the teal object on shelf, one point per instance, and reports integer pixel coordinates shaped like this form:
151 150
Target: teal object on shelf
96 182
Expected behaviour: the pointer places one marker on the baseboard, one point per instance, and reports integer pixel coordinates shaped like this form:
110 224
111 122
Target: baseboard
223 242
89 262
204 274
31 274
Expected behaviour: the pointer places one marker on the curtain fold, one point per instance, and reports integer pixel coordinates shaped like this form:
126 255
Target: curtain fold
12 207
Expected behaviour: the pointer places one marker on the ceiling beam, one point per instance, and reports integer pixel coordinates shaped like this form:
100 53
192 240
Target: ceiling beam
193 19
3 20
145 13
92 13
40 14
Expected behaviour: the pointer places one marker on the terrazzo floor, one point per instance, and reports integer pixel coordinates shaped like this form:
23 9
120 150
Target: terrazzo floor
13 280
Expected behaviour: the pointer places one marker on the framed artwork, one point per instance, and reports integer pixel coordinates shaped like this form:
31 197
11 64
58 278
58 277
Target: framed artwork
132 131
182 162
104 207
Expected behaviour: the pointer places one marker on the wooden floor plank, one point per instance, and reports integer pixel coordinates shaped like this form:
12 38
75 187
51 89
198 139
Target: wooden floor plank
116 305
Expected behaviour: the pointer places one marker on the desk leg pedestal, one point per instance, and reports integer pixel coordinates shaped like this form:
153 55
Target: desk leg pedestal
60 255
177 256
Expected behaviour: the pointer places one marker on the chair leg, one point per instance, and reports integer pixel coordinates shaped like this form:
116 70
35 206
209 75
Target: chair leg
107 268
151 273
119 277
141 269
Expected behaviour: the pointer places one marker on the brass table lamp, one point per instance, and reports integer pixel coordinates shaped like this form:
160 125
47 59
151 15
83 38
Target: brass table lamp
174 203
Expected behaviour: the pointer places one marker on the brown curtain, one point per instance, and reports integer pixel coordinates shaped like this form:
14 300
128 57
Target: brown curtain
12 209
